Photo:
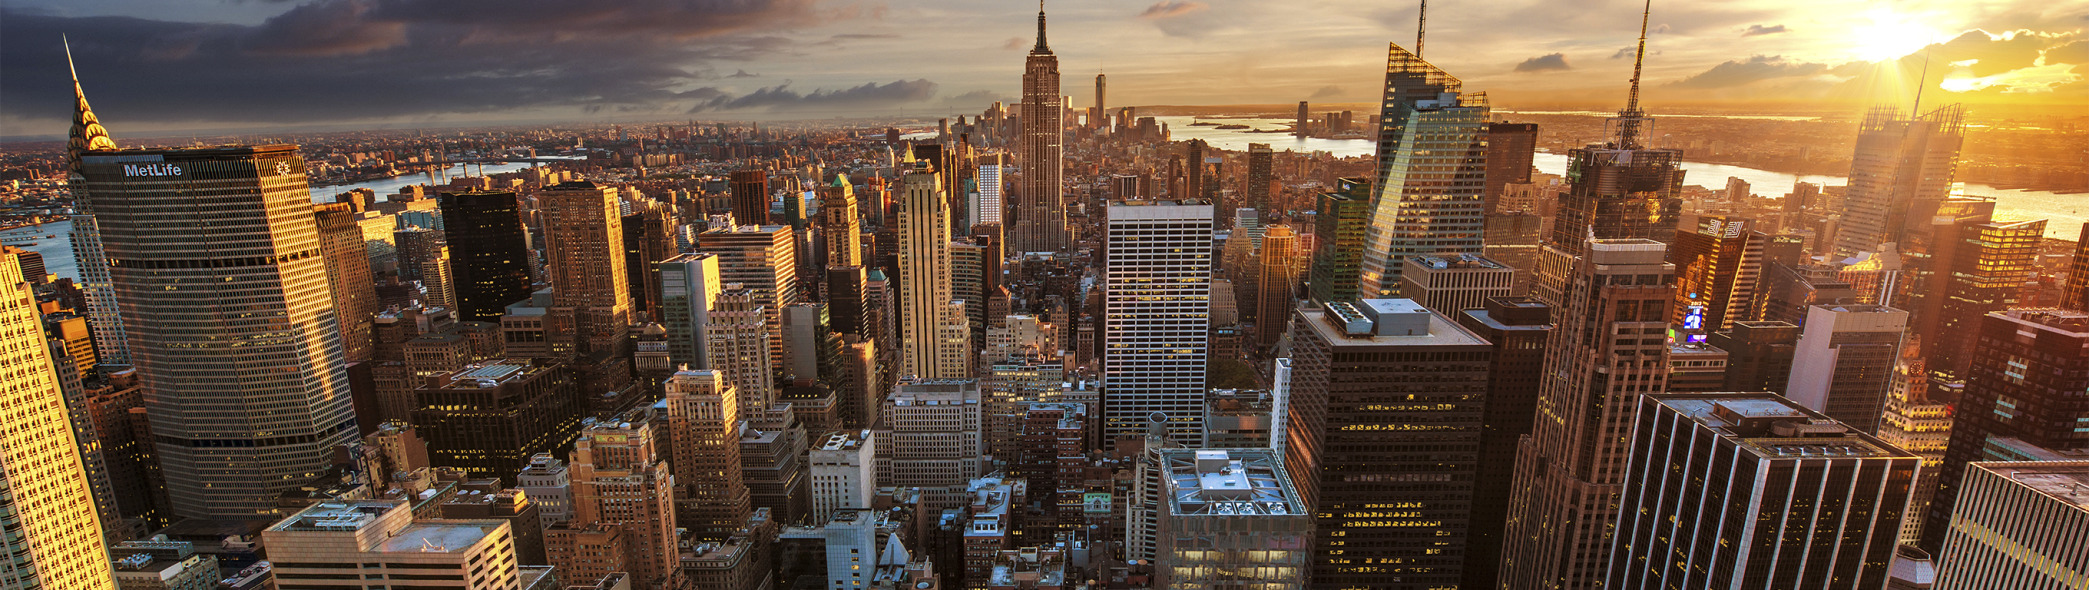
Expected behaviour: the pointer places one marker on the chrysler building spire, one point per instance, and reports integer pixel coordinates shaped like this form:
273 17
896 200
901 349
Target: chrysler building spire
87 133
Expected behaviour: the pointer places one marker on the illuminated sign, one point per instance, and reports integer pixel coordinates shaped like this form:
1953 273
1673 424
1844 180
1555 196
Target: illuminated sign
151 170
1695 319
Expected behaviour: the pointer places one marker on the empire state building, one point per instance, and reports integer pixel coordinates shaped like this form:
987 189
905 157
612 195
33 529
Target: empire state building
1037 223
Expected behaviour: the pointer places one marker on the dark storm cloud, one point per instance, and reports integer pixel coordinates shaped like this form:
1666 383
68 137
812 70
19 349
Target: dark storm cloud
781 97
1754 30
327 60
1741 72
1552 62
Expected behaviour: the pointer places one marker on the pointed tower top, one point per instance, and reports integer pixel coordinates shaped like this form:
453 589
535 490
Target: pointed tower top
87 132
1041 47
1421 28
1630 119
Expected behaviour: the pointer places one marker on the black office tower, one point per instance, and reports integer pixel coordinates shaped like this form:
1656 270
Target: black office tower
489 252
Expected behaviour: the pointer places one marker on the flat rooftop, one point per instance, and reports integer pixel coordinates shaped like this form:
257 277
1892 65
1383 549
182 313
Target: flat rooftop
1228 482
2065 481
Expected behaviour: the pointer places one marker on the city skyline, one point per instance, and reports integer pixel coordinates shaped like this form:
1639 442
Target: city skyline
1037 345
416 64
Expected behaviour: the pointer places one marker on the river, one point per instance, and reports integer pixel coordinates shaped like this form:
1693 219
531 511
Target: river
2065 214
392 185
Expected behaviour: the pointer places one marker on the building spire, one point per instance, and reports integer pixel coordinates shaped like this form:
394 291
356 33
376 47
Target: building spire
1421 28
1041 47
87 132
1630 119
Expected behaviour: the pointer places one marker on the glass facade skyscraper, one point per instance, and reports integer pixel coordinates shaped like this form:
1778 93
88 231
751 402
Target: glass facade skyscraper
489 253
1432 171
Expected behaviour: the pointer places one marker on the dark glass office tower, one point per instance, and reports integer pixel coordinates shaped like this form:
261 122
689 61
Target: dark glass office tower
2026 380
489 252
1383 438
1338 251
1518 328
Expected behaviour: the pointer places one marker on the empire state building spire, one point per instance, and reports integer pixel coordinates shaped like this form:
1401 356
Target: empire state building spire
1041 47
87 133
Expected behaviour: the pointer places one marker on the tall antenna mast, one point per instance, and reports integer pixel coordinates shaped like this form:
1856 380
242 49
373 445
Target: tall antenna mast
1421 28
1921 85
1630 118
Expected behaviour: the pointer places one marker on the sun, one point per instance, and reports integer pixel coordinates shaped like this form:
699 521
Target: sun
1889 35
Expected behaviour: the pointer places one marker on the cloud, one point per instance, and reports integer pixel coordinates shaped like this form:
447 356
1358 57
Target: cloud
1551 62
325 61
1742 72
1013 43
1326 92
741 73
1754 30
1172 8
781 97
2073 53
1624 53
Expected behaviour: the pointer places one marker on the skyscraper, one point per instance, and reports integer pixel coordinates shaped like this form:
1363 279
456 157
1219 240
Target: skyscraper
1101 118
737 345
1260 161
1038 221
1276 283
750 190
2076 297
924 281
1717 268
764 259
1842 365
1518 328
241 435
1338 240
1822 503
1570 469
619 480
1156 305
88 135
841 224
1383 440
988 209
584 255
2026 382
703 414
1619 190
52 535
489 253
648 238
928 436
1902 165
689 285
1432 171
348 276
1510 147
488 419
2018 525
1985 274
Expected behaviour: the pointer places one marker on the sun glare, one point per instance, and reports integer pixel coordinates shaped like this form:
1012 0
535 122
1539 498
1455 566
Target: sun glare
1889 35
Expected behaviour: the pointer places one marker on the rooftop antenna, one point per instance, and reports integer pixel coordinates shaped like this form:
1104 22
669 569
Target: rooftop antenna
1923 83
1421 28
1630 118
